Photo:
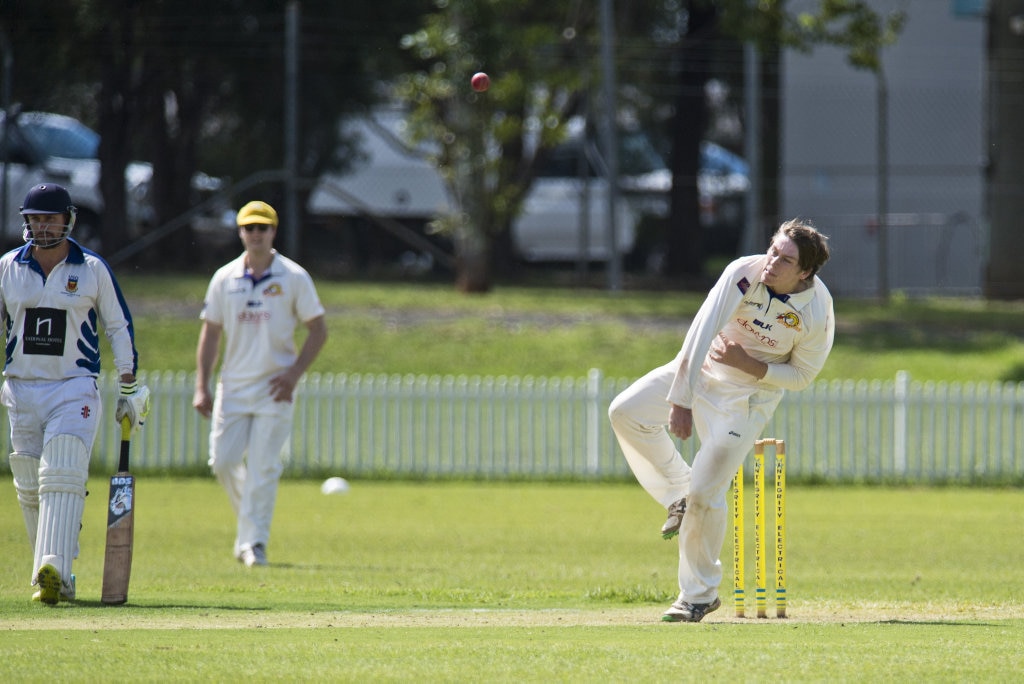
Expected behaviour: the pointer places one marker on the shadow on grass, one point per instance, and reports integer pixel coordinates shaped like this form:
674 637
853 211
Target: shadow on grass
81 603
935 623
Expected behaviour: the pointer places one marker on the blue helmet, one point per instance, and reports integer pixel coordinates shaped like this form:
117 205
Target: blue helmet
49 198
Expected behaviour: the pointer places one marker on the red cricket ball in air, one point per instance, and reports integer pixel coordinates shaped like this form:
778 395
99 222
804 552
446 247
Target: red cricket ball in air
480 82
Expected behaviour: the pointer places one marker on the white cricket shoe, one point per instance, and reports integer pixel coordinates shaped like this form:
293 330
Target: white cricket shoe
254 555
681 611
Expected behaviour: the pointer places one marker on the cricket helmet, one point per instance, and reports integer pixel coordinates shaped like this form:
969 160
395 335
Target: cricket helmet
48 198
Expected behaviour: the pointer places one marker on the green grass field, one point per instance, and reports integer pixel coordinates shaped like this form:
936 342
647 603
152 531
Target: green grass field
522 582
463 581
516 331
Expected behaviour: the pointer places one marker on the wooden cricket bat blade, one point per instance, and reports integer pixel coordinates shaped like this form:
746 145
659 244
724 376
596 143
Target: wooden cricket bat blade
117 563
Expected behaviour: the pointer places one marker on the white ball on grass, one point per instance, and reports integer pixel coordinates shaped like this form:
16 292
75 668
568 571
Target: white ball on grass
334 485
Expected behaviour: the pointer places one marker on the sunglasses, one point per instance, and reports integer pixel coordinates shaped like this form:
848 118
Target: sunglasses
261 227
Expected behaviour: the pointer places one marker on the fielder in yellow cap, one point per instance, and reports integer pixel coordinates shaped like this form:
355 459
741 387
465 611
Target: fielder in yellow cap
257 212
253 306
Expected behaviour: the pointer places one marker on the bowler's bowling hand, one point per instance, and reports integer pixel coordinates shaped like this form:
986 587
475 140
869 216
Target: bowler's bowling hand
680 421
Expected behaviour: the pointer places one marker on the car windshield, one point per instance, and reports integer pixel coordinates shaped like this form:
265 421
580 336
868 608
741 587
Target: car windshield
720 161
60 137
637 157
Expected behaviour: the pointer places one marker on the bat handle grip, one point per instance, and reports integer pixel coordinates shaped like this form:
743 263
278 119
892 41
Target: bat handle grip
126 429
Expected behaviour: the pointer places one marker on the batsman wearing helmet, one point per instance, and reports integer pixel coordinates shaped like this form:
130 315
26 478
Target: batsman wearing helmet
766 326
55 295
255 302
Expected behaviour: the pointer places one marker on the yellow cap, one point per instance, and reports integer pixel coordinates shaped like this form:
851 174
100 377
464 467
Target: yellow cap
257 212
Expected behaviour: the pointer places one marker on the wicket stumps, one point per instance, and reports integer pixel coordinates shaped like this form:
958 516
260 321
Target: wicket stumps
760 533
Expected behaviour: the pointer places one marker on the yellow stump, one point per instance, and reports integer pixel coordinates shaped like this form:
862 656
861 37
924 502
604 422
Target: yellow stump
738 581
760 559
761 551
780 528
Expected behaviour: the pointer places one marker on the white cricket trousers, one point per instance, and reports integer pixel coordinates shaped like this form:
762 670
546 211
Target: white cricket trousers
727 418
245 455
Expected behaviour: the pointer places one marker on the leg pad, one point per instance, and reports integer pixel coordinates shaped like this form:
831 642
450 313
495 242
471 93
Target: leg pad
25 468
63 472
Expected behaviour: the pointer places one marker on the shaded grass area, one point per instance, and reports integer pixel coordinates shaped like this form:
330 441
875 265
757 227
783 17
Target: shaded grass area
471 581
430 328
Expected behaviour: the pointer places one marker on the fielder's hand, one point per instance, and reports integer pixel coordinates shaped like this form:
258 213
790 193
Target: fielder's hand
133 404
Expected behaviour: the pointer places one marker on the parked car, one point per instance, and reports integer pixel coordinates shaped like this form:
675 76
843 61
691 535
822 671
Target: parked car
37 147
394 180
552 222
390 178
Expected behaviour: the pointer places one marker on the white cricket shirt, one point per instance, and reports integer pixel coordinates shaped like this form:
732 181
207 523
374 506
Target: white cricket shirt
259 318
793 334
52 322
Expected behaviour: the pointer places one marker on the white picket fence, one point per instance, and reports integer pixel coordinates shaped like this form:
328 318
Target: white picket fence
419 426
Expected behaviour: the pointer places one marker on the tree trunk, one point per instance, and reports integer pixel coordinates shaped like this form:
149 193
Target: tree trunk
116 111
172 149
473 258
684 242
1004 278
770 140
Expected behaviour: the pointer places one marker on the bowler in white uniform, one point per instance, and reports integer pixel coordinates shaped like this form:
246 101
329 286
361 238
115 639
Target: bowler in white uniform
766 326
255 303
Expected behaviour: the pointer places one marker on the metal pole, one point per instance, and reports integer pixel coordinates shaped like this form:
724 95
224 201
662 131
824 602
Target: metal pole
753 240
883 189
610 140
8 58
291 128
583 172
583 167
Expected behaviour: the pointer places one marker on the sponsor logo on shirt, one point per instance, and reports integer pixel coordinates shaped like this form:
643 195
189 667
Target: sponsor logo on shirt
253 316
743 285
253 312
758 334
751 303
44 331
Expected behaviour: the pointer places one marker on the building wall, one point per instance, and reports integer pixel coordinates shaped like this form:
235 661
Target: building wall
935 75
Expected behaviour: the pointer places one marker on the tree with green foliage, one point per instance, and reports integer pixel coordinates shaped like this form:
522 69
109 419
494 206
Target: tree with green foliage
489 143
214 87
196 85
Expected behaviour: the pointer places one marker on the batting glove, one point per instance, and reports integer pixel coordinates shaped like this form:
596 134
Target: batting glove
133 404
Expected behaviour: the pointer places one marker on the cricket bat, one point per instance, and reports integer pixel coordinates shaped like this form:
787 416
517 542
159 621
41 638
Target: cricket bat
117 563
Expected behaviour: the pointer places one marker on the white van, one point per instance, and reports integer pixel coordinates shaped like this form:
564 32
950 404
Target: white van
564 215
